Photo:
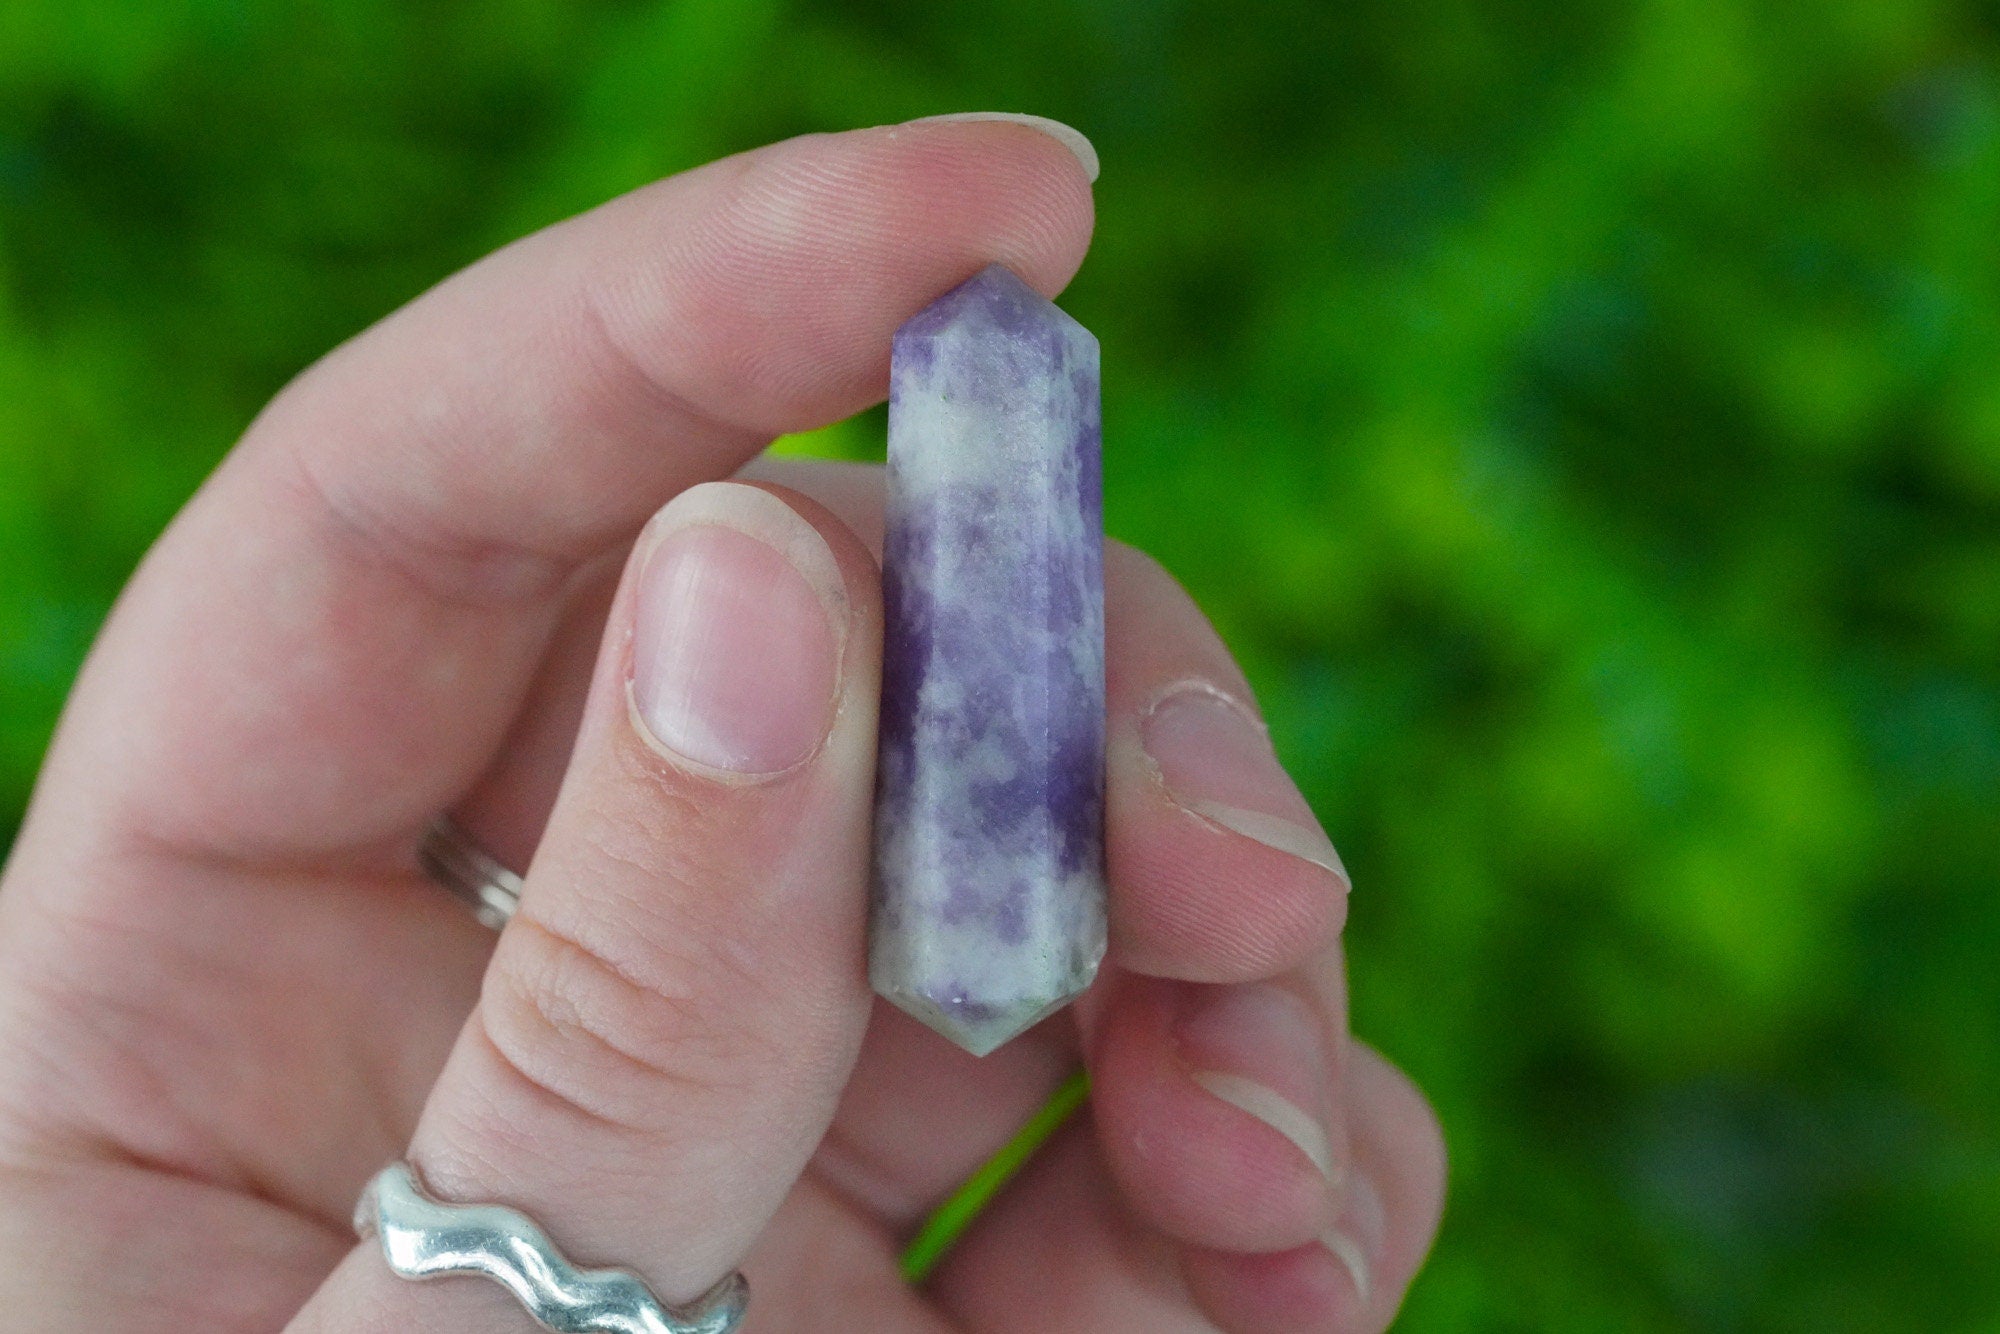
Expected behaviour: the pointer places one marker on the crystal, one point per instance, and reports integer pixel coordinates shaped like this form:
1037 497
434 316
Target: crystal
988 908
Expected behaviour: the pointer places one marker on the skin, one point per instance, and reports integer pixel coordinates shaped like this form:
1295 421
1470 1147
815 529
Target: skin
227 996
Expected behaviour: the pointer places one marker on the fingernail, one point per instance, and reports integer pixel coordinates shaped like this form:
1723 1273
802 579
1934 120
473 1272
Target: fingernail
1260 1048
1356 1238
1215 760
736 642
1067 135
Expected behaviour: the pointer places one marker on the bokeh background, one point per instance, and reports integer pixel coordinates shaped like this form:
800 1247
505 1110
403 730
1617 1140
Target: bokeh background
1583 419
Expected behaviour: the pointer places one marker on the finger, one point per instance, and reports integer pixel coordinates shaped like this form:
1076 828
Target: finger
1221 1108
1354 1281
330 642
667 1023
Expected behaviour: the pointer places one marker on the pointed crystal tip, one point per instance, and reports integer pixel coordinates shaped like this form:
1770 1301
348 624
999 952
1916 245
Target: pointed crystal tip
994 296
979 1027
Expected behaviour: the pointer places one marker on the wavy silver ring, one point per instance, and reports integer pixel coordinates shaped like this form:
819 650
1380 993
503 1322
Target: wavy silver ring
423 1239
450 857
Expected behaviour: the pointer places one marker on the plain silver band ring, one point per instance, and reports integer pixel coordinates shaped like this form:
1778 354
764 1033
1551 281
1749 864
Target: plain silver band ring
423 1238
450 857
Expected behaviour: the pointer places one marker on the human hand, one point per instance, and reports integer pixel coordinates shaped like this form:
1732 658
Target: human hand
227 996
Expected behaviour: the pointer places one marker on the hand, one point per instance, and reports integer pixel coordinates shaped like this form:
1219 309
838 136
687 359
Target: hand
227 997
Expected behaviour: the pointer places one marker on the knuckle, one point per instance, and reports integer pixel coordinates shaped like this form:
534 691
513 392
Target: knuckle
436 554
626 351
625 1041
665 814
734 379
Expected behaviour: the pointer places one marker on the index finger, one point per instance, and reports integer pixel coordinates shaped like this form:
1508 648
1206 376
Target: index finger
329 643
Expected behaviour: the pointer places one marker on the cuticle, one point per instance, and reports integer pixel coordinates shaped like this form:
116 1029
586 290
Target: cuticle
1201 685
728 777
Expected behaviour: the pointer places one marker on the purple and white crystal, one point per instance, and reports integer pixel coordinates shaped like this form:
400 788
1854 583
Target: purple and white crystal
989 825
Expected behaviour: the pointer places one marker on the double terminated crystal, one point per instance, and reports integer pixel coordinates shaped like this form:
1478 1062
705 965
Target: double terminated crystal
989 847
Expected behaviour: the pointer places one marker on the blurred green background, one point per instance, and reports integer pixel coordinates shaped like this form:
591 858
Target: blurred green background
1583 419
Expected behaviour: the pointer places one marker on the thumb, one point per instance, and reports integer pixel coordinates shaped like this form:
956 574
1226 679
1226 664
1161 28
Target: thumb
667 1023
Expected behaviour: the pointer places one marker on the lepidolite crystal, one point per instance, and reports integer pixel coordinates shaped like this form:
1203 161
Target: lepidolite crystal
989 846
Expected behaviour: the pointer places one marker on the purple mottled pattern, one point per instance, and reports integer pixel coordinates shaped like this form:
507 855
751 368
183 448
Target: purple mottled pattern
989 829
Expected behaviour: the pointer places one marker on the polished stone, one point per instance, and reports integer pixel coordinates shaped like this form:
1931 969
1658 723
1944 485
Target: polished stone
988 906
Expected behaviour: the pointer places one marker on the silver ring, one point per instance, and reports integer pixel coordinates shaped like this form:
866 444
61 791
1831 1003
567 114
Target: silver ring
423 1239
450 857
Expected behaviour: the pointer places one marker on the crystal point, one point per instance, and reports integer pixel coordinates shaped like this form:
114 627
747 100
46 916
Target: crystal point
988 910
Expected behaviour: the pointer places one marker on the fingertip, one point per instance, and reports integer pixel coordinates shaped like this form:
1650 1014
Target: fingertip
1218 1136
1068 136
1196 901
783 272
1048 166
1399 1142
1305 1290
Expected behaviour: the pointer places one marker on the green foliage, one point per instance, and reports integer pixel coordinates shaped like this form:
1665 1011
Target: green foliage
1583 420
